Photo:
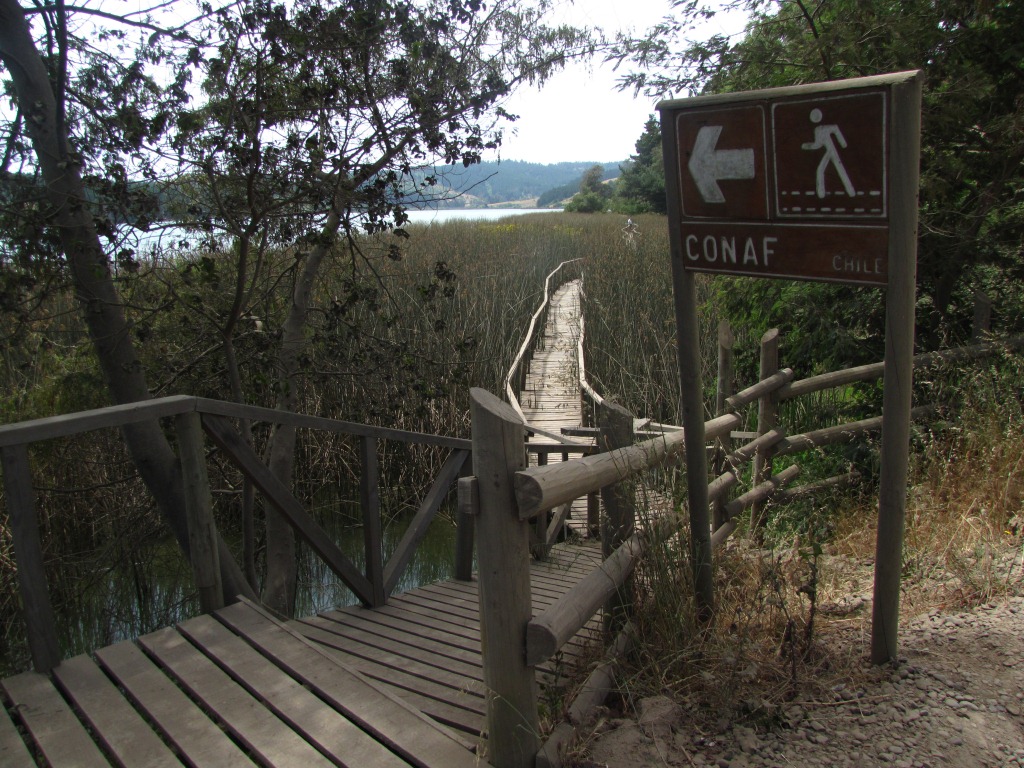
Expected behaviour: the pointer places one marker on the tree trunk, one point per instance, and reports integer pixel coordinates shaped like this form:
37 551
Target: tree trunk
94 287
279 588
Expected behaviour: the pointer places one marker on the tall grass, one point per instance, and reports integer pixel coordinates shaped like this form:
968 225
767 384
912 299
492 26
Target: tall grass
393 341
630 342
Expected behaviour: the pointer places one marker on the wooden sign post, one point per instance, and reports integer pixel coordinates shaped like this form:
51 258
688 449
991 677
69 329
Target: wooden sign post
813 182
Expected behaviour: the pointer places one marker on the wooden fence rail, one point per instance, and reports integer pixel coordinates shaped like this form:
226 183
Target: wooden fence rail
193 417
524 492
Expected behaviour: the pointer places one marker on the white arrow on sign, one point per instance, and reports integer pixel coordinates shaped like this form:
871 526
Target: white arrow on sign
708 165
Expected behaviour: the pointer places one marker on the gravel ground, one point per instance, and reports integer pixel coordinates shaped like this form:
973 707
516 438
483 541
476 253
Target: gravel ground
955 699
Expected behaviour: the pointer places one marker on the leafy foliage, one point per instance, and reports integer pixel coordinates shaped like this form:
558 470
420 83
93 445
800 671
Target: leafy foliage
287 132
641 186
972 181
593 195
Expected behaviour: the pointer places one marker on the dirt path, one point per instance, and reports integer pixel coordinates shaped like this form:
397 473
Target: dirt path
955 699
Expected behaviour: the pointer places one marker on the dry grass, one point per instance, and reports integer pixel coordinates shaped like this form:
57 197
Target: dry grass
793 620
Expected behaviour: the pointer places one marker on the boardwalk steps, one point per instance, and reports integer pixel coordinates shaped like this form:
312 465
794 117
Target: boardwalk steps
395 686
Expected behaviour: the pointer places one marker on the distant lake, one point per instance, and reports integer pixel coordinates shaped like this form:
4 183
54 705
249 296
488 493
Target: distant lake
470 214
172 237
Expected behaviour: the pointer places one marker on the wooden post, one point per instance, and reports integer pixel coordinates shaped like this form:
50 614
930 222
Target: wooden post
28 553
691 389
503 569
620 511
723 445
982 317
540 523
905 147
767 408
468 495
369 503
203 541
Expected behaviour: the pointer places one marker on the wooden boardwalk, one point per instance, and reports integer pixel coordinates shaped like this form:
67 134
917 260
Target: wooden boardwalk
399 685
396 686
551 397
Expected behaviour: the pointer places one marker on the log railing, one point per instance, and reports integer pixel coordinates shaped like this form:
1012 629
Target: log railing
522 493
192 417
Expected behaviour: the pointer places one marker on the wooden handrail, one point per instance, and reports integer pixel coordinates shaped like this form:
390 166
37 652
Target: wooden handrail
758 390
760 492
588 390
538 489
66 425
840 433
873 371
553 628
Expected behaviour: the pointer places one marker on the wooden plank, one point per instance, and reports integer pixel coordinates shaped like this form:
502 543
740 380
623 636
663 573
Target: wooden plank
396 656
436 649
193 734
415 628
401 728
439 700
54 728
243 456
321 725
114 721
13 751
269 739
424 620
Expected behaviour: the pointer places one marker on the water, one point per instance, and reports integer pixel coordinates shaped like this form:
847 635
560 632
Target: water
121 598
176 239
471 214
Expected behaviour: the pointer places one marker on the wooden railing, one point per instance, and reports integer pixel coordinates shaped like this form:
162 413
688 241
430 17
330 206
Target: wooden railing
508 495
193 416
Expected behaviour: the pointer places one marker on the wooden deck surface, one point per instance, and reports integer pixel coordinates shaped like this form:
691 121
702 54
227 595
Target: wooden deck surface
396 686
551 397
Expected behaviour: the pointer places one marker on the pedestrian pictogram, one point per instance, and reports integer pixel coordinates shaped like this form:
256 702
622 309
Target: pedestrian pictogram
826 137
830 157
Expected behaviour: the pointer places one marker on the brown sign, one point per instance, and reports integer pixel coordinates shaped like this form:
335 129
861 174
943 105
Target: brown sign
785 186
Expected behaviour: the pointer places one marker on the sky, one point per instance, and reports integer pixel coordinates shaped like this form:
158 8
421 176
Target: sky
580 115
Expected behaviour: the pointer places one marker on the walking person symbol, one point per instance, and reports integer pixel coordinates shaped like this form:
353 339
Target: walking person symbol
825 137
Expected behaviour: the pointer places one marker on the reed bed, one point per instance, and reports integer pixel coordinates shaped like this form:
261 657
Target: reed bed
630 343
393 341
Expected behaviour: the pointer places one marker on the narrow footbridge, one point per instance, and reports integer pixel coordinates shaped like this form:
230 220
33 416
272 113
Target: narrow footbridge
402 679
449 674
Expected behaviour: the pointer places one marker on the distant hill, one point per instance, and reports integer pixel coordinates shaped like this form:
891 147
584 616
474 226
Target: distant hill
514 183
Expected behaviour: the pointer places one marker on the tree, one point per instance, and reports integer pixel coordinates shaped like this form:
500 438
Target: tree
972 203
640 187
593 195
313 120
